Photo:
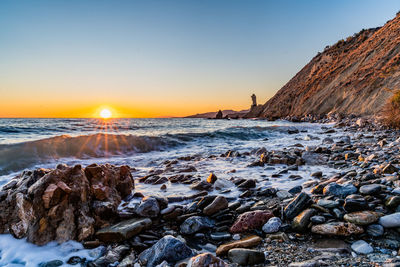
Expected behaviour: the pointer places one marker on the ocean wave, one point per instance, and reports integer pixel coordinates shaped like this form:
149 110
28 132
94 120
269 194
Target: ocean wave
14 157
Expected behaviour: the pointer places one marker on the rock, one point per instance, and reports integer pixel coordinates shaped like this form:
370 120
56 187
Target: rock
218 236
62 204
206 259
317 219
301 221
168 248
248 183
337 229
389 169
111 257
53 263
218 204
355 204
247 242
309 263
212 178
219 115
272 226
196 223
244 256
283 194
375 230
370 189
362 217
339 190
201 186
128 261
250 220
297 205
326 203
317 174
148 207
393 202
361 247
123 230
390 221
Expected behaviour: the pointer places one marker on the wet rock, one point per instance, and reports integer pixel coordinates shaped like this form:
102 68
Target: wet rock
219 236
196 223
112 257
393 202
337 229
247 242
201 186
301 221
123 230
389 169
327 203
248 183
362 217
244 256
53 263
148 207
168 248
297 205
309 263
355 204
128 261
361 247
339 190
390 221
283 194
250 220
272 226
218 204
206 259
212 178
317 219
375 230
370 189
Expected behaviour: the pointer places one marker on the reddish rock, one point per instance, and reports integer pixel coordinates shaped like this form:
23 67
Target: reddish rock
206 259
251 220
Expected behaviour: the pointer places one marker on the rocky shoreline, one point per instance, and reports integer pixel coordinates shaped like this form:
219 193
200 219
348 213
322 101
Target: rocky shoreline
349 219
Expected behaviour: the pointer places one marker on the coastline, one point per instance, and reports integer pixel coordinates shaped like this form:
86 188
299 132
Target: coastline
318 221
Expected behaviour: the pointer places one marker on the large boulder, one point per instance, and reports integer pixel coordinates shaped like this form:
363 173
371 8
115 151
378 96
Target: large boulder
67 203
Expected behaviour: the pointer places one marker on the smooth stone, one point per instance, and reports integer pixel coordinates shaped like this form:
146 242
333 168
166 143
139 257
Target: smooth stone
339 190
297 205
196 223
362 247
212 178
317 219
272 226
326 203
390 221
218 204
295 190
244 256
218 236
370 189
247 242
301 221
123 230
362 217
393 202
283 194
168 248
337 229
355 204
375 230
309 263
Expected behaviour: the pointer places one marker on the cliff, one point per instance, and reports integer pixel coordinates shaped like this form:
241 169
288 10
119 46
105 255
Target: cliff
354 76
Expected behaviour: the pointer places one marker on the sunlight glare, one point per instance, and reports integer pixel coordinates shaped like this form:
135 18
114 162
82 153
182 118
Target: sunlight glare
105 113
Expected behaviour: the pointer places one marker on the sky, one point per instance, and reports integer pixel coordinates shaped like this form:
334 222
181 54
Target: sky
70 58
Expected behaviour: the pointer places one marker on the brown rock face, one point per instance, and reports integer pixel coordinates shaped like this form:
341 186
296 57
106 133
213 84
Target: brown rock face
62 204
364 68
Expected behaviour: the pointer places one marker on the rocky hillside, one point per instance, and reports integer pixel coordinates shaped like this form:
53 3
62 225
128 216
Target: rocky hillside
354 76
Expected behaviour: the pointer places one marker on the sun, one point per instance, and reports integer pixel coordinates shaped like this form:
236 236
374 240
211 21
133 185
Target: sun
105 113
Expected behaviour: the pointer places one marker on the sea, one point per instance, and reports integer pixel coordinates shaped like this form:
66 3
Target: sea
145 145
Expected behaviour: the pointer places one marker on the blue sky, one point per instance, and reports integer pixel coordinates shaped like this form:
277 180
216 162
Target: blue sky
159 58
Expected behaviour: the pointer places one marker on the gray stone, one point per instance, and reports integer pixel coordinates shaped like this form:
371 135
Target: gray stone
339 190
389 221
362 247
272 226
326 203
148 207
244 256
168 248
218 204
196 223
317 219
370 189
375 230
